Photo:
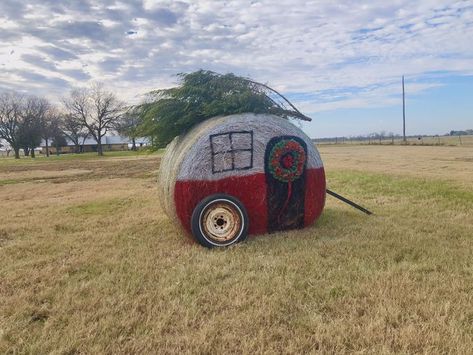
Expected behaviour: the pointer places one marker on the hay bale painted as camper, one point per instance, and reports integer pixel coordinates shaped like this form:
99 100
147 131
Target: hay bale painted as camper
242 174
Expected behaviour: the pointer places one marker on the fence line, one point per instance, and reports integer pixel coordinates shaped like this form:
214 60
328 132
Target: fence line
391 140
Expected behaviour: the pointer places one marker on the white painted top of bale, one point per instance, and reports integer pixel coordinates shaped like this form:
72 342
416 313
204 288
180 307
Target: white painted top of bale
206 147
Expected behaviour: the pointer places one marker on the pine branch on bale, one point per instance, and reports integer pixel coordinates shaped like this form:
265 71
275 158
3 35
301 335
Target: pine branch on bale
204 94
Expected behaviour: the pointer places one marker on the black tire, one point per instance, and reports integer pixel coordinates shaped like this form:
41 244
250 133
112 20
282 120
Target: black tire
219 221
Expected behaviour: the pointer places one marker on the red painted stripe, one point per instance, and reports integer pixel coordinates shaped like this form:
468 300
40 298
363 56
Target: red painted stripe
248 189
314 195
251 191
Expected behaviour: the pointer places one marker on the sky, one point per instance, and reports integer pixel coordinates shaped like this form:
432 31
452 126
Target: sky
339 62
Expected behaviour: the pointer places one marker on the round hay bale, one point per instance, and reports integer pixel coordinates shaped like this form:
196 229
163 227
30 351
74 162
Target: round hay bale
263 162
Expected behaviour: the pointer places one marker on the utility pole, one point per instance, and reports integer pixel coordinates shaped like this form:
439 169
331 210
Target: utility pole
403 112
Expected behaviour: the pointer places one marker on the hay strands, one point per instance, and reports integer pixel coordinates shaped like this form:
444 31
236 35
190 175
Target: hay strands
351 203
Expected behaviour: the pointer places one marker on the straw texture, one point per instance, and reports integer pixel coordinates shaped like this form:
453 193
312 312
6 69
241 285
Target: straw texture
228 148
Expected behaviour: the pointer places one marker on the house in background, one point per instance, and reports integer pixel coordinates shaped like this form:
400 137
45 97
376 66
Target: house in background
109 143
5 148
114 141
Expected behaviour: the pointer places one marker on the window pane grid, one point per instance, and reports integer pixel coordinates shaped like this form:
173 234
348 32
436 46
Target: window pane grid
223 144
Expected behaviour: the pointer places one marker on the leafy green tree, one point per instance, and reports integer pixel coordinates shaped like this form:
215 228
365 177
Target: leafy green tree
204 94
34 112
129 125
58 141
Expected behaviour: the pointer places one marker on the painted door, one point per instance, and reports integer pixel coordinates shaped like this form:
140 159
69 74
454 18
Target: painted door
285 164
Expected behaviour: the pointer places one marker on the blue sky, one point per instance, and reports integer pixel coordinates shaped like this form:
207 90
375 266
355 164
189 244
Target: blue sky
438 110
340 62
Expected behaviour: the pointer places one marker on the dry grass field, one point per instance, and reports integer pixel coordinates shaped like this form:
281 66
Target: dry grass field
89 264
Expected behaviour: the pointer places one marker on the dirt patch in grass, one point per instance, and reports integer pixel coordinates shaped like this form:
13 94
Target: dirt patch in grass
42 174
8 178
4 237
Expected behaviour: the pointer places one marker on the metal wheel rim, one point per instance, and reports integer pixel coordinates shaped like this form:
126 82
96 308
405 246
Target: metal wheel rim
221 222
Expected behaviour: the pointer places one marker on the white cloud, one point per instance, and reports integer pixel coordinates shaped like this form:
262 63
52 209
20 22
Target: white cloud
340 54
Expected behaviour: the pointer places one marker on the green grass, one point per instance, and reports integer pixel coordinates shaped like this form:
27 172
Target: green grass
100 207
40 159
10 181
417 189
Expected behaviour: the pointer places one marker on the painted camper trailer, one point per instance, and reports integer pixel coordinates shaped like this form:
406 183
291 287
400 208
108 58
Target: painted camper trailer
242 174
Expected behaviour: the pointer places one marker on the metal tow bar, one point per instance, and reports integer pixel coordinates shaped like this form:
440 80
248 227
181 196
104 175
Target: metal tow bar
351 203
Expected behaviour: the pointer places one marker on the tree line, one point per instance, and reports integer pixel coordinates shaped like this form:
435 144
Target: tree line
466 132
26 120
383 135
161 116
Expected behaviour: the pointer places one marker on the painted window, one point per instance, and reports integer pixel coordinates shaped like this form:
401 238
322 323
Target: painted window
231 151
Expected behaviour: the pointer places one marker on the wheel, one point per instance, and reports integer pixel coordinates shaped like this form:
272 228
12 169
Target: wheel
219 221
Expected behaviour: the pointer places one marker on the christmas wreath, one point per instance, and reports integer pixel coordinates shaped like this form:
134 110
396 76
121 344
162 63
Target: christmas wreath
286 163
286 160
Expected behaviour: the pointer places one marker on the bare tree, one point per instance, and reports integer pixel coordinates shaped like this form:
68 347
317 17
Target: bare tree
73 129
11 120
96 108
51 127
